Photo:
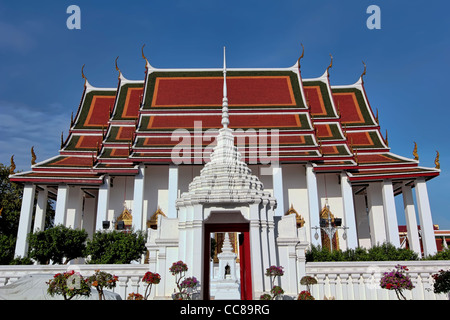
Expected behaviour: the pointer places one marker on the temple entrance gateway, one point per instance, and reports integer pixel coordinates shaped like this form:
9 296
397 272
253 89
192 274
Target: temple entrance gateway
228 222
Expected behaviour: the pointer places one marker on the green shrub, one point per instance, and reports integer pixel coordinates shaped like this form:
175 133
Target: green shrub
58 244
442 255
115 247
383 252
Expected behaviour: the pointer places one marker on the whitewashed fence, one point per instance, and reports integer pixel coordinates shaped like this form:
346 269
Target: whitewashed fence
129 275
361 280
336 280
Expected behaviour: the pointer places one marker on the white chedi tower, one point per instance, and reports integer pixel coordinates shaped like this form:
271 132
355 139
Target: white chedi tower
226 191
225 286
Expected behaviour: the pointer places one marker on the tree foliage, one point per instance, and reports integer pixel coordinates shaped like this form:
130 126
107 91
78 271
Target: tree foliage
10 205
115 247
57 244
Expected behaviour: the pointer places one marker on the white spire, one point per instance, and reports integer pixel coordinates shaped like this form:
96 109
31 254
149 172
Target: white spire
225 120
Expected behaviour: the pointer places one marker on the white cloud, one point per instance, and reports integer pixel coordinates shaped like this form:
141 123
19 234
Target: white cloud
23 126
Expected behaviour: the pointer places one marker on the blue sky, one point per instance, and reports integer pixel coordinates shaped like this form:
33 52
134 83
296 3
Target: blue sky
407 61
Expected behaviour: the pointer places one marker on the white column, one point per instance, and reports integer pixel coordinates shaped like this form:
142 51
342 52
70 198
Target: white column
41 209
426 221
26 213
255 252
103 203
376 213
411 221
61 204
390 213
74 207
278 193
173 191
362 219
196 268
313 204
138 199
349 211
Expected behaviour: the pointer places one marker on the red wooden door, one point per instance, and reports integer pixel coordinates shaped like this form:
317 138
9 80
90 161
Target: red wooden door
244 256
245 266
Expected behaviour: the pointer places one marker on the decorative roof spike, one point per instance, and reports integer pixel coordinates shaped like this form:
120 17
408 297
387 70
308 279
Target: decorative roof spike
147 64
225 119
386 139
436 161
62 140
13 165
33 156
83 76
117 68
302 55
376 118
331 65
415 154
364 72
71 119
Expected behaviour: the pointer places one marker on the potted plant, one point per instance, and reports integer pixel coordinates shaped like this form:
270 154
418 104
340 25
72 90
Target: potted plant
442 282
101 280
68 284
150 279
306 294
276 292
135 296
185 287
397 280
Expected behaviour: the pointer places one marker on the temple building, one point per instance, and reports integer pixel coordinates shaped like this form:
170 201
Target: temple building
262 154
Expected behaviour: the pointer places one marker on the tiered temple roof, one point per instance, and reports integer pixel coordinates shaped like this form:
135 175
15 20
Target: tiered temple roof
116 129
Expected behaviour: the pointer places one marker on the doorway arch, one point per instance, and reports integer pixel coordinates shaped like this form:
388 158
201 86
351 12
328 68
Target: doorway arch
226 221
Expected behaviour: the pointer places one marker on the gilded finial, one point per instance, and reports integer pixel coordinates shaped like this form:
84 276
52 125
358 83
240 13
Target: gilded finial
302 55
331 64
376 118
13 165
364 72
415 154
117 68
83 76
386 139
33 156
436 161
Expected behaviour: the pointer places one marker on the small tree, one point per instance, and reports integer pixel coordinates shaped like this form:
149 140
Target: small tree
101 280
68 284
150 279
273 272
58 244
115 247
178 269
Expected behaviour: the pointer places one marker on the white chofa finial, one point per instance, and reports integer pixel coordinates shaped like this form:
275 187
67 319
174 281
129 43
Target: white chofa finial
225 120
